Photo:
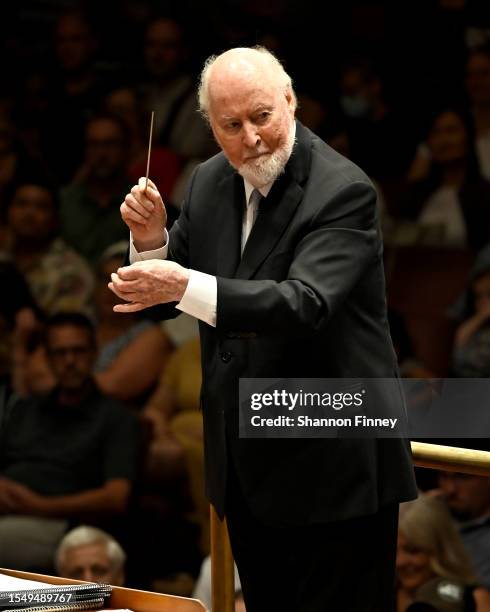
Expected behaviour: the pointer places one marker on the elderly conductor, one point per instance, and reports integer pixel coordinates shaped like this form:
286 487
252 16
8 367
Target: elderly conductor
277 252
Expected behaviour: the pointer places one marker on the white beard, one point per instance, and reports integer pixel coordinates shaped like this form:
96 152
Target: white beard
268 167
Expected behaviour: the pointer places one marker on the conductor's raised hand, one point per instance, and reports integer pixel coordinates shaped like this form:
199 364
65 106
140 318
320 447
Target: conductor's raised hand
144 213
148 283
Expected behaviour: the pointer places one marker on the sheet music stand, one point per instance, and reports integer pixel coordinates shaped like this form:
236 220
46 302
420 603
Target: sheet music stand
121 597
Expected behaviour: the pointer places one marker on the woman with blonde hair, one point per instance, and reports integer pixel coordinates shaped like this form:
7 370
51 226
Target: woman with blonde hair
432 561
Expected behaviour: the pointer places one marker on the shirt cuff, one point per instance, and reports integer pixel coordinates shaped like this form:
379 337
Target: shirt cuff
160 253
200 297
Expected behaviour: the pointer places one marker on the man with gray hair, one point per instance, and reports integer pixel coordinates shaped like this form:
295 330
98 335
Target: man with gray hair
277 252
90 554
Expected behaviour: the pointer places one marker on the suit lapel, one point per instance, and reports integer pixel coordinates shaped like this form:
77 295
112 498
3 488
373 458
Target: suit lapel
230 194
278 208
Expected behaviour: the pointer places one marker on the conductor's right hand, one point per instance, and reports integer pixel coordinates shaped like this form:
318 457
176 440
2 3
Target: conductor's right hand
144 213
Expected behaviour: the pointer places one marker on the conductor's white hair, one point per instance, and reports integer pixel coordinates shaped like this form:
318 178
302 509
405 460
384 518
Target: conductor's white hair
284 81
85 536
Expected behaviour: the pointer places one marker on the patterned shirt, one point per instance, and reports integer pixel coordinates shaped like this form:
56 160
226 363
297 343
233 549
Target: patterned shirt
60 279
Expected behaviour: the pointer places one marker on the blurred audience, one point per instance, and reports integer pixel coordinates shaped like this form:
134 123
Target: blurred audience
165 165
311 112
73 91
122 341
177 444
64 457
132 350
90 216
468 498
31 373
430 549
90 554
410 366
178 392
449 200
478 89
170 90
59 461
57 276
382 139
19 317
471 352
16 163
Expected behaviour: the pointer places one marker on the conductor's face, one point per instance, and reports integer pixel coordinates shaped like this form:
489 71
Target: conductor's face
251 113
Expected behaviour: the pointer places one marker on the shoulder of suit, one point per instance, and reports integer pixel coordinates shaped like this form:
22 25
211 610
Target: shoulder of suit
326 163
218 163
335 167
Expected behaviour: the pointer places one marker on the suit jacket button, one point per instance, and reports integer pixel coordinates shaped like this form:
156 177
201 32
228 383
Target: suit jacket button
226 356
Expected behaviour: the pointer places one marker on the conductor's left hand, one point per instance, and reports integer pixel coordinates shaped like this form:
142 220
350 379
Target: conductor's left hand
148 283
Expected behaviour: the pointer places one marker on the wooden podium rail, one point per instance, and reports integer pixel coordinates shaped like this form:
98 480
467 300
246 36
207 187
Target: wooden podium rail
122 598
451 459
425 455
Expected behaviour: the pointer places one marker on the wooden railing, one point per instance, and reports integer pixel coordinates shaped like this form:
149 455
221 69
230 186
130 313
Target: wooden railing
451 459
424 455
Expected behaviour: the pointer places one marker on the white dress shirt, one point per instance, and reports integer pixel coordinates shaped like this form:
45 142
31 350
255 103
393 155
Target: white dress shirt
200 297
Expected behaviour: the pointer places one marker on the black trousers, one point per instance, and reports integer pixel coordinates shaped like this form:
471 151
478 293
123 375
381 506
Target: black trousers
344 566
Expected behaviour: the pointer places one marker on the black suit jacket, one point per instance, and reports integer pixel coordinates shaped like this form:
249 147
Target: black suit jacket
306 299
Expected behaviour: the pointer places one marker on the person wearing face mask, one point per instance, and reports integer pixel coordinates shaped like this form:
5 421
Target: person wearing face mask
381 141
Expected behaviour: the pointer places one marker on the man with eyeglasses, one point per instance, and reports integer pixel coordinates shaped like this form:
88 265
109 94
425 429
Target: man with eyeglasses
468 498
64 456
